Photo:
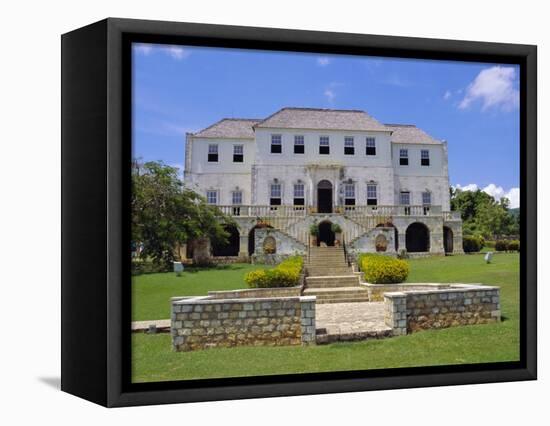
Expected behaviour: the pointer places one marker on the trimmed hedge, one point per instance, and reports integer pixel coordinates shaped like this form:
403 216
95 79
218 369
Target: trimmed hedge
286 274
507 245
380 269
472 243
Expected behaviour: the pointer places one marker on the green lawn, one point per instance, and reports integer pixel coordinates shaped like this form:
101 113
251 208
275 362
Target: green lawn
153 359
151 293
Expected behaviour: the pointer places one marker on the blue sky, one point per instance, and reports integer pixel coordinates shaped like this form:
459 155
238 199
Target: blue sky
473 106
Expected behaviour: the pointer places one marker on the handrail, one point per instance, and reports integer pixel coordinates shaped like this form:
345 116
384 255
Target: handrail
345 251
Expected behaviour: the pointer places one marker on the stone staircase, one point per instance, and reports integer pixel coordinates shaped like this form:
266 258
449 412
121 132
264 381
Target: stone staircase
330 279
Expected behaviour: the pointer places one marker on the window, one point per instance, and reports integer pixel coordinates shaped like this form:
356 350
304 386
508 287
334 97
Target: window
426 198
349 194
275 194
371 146
299 194
276 144
405 198
238 153
403 157
324 147
424 157
237 198
212 197
213 153
349 148
298 144
372 198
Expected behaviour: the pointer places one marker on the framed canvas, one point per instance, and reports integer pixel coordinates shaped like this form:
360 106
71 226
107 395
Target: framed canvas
255 212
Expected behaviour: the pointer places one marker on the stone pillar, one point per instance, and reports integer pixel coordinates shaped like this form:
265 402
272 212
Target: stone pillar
307 319
457 239
436 240
243 245
402 237
395 312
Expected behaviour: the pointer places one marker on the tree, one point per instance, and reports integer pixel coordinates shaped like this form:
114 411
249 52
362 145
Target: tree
165 214
483 215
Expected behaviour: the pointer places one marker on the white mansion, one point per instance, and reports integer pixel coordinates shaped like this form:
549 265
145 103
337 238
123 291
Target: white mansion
385 185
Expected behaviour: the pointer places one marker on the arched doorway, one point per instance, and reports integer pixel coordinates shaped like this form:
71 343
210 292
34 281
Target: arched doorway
417 238
448 239
324 197
326 235
252 238
231 247
395 232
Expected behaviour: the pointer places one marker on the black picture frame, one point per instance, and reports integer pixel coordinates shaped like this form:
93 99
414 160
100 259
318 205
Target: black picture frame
96 150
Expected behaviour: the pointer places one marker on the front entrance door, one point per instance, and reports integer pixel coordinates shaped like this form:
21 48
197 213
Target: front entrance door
324 197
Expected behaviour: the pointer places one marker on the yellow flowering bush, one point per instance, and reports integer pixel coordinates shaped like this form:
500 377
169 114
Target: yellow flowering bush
380 269
286 274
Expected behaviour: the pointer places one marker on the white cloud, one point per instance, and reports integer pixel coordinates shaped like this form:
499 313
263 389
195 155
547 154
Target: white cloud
447 95
143 49
329 93
495 191
177 52
323 61
495 88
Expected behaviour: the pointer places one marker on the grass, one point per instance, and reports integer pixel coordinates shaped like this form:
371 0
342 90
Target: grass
151 293
153 359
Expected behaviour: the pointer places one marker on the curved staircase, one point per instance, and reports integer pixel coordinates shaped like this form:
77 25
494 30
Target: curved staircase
330 279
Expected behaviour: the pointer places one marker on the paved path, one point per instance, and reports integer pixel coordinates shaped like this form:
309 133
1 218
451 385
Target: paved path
351 321
144 325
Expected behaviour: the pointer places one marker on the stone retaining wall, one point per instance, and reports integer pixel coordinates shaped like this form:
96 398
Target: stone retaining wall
206 322
460 304
376 291
257 292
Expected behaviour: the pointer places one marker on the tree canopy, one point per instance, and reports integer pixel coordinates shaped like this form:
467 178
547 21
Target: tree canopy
483 215
165 213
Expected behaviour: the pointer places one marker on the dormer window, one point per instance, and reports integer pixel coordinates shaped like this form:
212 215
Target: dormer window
213 153
403 157
276 144
371 146
299 144
324 147
349 148
238 153
424 157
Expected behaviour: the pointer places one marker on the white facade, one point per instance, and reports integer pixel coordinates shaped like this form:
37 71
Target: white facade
300 167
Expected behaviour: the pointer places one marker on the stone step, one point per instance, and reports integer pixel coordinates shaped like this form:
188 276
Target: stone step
328 272
338 294
334 281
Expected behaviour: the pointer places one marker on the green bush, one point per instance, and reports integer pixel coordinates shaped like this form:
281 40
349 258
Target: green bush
286 274
501 245
513 245
380 269
314 230
335 228
472 243
140 267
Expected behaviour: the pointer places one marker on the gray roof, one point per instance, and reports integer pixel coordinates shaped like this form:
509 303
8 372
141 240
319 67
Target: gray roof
321 119
409 133
232 128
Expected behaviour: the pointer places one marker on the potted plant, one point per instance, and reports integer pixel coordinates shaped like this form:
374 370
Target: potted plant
337 229
313 234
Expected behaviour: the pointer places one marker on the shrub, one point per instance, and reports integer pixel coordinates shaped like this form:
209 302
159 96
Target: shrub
472 243
513 245
286 274
148 267
335 228
380 269
501 245
314 230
